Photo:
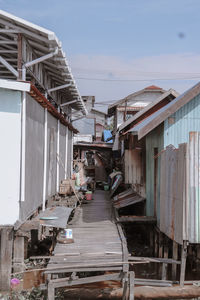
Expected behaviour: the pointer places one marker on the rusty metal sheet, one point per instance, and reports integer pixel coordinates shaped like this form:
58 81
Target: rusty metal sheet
173 198
194 188
127 200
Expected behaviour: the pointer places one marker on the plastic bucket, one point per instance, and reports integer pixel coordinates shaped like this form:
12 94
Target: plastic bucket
106 187
88 195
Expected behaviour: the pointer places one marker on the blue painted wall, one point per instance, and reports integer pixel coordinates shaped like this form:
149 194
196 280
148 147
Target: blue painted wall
178 126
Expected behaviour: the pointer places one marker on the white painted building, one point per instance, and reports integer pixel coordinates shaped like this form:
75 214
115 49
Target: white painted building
38 97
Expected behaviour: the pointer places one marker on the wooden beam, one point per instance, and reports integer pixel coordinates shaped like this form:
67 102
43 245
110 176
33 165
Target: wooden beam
19 56
6 251
183 262
18 259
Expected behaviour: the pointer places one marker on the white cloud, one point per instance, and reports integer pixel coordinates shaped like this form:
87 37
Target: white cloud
166 66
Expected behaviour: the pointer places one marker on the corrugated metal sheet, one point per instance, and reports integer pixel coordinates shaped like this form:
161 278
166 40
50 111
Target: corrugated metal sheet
168 110
186 119
194 188
126 200
153 140
62 152
173 193
34 159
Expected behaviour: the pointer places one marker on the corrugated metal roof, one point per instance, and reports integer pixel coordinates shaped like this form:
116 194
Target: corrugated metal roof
170 92
127 198
43 42
121 101
159 116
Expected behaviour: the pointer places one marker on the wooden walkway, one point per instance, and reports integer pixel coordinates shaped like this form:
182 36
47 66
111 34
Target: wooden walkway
97 242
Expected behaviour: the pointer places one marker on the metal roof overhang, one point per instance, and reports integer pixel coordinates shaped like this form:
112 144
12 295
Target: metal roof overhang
170 94
43 42
148 124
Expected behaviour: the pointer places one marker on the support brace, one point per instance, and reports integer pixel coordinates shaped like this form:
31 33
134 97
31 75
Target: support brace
59 87
67 103
8 66
41 59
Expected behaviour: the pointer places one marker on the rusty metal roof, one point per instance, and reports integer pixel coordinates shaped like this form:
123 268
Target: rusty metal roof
126 199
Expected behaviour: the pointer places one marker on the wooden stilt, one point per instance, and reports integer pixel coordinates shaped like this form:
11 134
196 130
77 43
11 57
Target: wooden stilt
156 243
131 285
18 259
160 252
165 255
6 251
125 288
34 239
183 262
175 257
51 292
151 238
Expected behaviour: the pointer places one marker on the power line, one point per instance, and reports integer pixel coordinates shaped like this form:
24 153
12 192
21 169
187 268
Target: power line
136 80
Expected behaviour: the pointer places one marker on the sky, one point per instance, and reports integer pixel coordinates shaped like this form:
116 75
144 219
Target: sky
116 47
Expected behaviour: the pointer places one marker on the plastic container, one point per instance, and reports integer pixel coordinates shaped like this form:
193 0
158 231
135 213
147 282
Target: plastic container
106 187
88 195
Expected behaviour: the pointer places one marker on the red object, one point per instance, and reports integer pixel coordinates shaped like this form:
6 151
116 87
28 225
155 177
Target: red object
88 196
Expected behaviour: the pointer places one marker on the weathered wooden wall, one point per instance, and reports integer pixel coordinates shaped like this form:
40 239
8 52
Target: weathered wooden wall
134 174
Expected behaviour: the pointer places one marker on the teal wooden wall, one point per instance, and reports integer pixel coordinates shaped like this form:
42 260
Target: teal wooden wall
178 126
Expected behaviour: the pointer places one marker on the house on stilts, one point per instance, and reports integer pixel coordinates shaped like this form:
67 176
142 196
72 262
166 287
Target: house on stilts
38 98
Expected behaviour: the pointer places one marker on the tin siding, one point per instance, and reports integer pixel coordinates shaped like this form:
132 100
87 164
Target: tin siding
62 152
186 119
34 159
153 140
194 190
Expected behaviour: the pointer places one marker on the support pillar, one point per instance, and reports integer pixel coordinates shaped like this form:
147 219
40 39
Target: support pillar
6 252
18 259
165 255
183 262
175 257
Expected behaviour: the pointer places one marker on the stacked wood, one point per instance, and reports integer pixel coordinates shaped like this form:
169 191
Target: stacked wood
66 187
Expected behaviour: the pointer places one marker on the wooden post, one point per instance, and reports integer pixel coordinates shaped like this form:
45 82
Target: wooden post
51 292
160 252
151 238
175 257
165 255
34 239
156 243
131 285
6 251
18 259
183 262
125 287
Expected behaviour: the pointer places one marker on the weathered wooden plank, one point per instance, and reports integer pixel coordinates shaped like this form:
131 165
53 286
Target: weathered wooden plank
6 249
62 282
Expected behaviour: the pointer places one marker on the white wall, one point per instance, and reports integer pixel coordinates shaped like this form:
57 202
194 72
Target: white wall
10 156
10 136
